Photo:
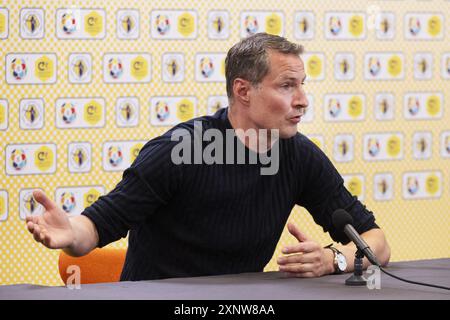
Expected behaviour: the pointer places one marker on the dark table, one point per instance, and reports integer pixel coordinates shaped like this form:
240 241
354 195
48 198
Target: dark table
255 286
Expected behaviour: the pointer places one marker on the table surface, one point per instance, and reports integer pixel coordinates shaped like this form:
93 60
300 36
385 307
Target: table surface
255 286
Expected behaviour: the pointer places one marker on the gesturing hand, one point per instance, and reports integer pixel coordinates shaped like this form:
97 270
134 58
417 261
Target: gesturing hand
307 258
52 228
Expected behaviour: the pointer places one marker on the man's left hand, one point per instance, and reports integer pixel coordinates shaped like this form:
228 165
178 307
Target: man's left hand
306 259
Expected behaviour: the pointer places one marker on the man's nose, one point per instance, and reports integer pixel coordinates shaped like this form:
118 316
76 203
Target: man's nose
300 100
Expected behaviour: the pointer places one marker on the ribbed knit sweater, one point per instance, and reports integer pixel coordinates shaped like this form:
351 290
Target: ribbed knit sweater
189 220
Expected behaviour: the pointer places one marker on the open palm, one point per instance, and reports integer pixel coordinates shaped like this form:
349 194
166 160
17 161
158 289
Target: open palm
53 229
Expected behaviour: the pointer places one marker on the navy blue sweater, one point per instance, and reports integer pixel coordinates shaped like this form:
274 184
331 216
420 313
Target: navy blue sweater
208 219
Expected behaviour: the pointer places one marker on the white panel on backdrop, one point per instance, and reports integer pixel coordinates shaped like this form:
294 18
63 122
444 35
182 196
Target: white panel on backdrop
344 107
4 205
28 206
169 111
215 103
385 25
32 158
31 114
173 67
4 114
384 106
355 183
128 24
252 22
79 157
218 24
304 25
423 105
422 184
80 68
119 155
127 67
174 24
77 23
32 23
4 23
423 26
210 67
344 147
445 144
422 143
345 25
383 186
423 66
31 68
127 111
73 113
383 146
74 199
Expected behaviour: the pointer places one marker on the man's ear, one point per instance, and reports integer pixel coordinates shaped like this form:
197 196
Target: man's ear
241 90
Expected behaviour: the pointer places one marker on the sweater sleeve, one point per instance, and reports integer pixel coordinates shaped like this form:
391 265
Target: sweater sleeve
322 192
146 185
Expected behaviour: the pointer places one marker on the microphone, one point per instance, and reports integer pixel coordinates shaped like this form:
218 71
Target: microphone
342 220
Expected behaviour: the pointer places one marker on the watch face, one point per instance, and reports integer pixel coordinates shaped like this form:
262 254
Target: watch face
342 262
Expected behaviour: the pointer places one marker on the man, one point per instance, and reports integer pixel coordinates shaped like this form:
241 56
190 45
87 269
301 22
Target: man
194 219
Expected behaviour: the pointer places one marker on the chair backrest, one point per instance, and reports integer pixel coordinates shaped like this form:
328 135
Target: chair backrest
100 265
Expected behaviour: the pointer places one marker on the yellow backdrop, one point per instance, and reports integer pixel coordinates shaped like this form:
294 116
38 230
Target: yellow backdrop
84 84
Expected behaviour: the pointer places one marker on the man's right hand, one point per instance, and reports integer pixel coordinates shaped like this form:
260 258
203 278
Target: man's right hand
53 228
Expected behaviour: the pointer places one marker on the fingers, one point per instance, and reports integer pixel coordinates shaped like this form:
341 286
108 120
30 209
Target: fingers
304 247
40 197
297 268
30 226
31 222
39 233
298 258
302 237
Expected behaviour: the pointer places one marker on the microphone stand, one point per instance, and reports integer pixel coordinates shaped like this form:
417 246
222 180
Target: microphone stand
357 278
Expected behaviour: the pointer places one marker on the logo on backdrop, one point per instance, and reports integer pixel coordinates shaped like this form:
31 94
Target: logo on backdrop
343 147
32 23
173 67
423 106
31 114
28 206
79 157
384 106
80 68
127 111
422 185
304 23
3 114
218 25
252 22
174 24
383 186
80 23
127 24
80 113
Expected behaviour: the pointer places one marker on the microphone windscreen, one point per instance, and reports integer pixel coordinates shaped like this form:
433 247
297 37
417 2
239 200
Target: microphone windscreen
341 218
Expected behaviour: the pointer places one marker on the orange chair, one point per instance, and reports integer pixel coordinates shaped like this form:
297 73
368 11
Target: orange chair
100 265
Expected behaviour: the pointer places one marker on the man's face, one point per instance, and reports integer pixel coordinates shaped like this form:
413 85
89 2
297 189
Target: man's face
279 101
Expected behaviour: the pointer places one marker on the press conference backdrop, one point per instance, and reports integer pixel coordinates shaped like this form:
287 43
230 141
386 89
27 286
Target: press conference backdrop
85 84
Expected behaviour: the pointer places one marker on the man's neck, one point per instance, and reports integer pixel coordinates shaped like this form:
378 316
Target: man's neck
242 125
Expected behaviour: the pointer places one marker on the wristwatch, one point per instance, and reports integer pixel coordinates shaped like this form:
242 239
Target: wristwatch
340 262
